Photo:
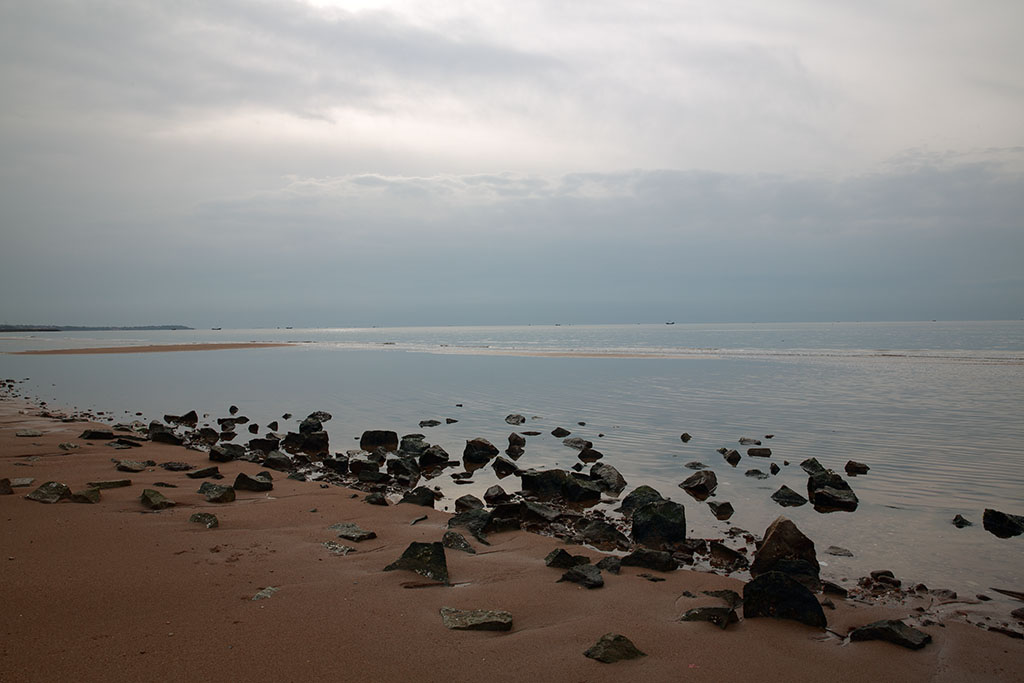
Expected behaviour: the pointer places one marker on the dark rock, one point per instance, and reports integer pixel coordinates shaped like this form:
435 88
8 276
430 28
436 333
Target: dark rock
777 595
854 468
560 559
602 535
373 439
722 511
243 482
475 521
787 497
503 467
577 467
759 452
189 419
587 575
31 433
204 472
177 466
434 456
774 469
960 522
685 437
206 435
476 619
226 452
479 451
747 441
110 483
589 455
272 426
701 485
154 500
812 466
419 496
404 469
719 616
429 423
838 552
168 437
560 432
544 482
233 410
376 498
5 487
530 433
538 512
577 443
468 502
95 435
266 445
658 560
892 631
456 541
310 425
207 519
277 461
730 597
612 564
216 493
131 466
226 436
352 532
1002 524
607 478
89 496
830 588
338 464
732 457
516 440
613 647
450 420
659 525
787 550
426 559
829 492
495 496
755 474
413 444
515 419
578 490
724 557
695 465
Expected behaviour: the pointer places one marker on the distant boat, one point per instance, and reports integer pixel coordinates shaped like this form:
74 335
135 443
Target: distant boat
671 323
288 328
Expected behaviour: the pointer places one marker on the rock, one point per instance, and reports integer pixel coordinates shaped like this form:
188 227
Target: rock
538 512
755 474
475 521
189 419
92 435
892 631
829 492
695 465
503 467
5 487
833 589
109 483
719 616
685 437
243 482
376 498
89 496
515 419
589 455
724 557
216 493
476 619
207 519
405 470
602 535
607 478
701 485
1018 613
233 410
777 595
50 492
544 482
577 443
759 452
373 439
774 469
516 444
226 452
787 497
434 456
660 525
732 457
495 495
610 564
429 423
853 468
154 500
560 559
613 647
413 444
177 466
352 532
479 451
426 559
278 461
1002 524
787 550
204 472
31 433
420 495
960 522
587 575
747 441
67 446
456 541
265 593
131 466
560 432
721 511
658 560
267 445
579 490
468 502
812 466
730 597
167 437
450 420
838 552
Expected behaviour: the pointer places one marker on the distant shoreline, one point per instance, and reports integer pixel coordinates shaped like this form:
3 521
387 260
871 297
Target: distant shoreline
150 348
80 328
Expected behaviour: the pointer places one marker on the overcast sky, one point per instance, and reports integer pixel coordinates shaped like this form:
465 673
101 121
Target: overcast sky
331 163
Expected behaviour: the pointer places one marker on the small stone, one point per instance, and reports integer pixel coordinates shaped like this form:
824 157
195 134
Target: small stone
50 492
29 433
960 522
560 432
131 466
154 500
685 437
352 532
613 647
426 559
265 593
243 482
335 548
376 498
853 468
732 457
515 419
203 472
759 452
722 510
787 497
476 619
207 519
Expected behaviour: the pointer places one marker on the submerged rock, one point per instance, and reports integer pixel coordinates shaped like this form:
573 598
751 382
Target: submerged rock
515 419
779 596
892 631
560 432
722 510
960 522
476 619
89 496
787 497
373 439
854 468
612 647
426 559
829 492
1002 524
700 485
638 497
759 452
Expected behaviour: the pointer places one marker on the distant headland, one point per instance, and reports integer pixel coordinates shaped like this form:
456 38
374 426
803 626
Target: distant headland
86 328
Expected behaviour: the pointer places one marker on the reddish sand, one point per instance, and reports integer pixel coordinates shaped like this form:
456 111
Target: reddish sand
115 592
150 348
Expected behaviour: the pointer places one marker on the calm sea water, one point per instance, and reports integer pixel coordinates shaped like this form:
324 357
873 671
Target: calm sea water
934 408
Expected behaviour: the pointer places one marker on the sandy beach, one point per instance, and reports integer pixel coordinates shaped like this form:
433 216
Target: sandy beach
113 590
149 348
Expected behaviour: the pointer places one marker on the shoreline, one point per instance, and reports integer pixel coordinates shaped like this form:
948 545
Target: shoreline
149 590
151 348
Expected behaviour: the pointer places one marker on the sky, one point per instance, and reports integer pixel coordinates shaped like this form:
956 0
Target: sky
346 163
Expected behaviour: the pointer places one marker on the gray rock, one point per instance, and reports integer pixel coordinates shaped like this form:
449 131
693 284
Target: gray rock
786 549
109 484
456 541
426 559
611 564
352 532
560 559
335 548
787 497
747 441
838 552
154 500
476 619
612 648
89 496
207 519
892 631
755 474
695 465
812 466
31 433
577 443
701 484
50 492
131 466
265 593
587 575
659 525
1002 524
376 498
779 596
243 482
217 493
515 419
719 616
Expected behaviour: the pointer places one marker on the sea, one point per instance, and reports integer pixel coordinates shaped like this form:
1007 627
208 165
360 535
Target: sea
934 408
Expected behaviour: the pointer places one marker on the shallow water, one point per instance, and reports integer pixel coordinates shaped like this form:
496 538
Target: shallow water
933 408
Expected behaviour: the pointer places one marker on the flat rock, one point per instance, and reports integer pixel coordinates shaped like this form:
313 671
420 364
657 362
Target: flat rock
97 435
658 560
759 452
88 496
787 497
587 575
892 631
22 482
838 552
377 438
719 616
812 466
335 548
612 648
109 484
476 619
204 472
50 492
207 519
701 484
779 596
456 541
1002 524
131 466
352 532
266 593
31 433
561 559
243 482
154 500
695 465
426 559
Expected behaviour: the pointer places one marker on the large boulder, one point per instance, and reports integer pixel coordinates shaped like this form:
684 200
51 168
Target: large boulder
660 525
786 549
1002 524
479 451
376 438
638 497
779 596
544 482
607 478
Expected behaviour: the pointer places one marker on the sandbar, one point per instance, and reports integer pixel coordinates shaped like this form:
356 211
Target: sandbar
151 348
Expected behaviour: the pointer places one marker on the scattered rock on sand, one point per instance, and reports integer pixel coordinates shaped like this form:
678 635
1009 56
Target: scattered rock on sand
658 560
5 487
131 466
587 575
659 525
335 548
456 541
352 532
476 619
88 496
892 631
154 500
109 484
612 648
719 616
700 485
217 493
776 595
787 497
1002 524
50 492
426 559
376 498
786 549
560 559
243 482
207 519
203 472
265 593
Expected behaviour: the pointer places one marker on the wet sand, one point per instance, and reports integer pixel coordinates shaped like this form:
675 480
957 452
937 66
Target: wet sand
113 591
149 348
